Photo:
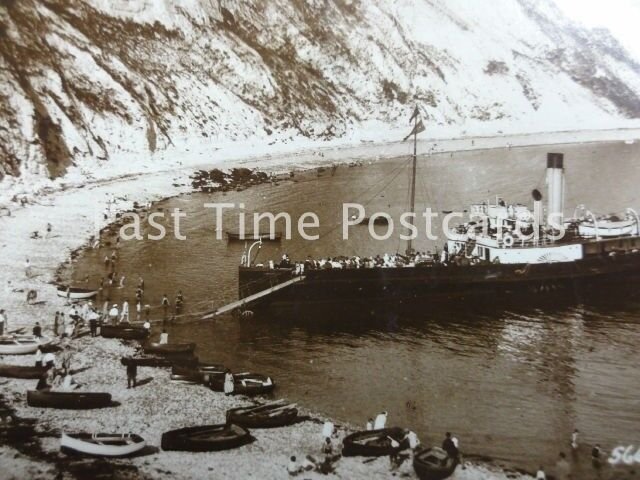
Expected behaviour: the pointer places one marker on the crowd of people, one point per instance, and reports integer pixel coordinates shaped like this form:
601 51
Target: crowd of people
387 260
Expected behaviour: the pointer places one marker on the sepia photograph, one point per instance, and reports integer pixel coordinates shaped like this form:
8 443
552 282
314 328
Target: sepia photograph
341 239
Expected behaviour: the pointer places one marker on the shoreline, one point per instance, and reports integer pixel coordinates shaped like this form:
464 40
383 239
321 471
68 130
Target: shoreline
71 212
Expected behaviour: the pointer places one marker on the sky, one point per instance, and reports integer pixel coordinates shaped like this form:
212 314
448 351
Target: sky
621 17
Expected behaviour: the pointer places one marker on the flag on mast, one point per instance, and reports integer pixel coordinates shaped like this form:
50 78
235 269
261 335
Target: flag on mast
418 127
415 114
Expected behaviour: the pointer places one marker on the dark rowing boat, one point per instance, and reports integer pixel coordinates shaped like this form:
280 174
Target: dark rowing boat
102 444
162 362
434 464
21 371
207 438
169 348
201 371
68 400
243 383
124 331
263 416
374 443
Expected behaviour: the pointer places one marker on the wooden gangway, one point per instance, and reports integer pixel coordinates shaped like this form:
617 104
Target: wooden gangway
251 298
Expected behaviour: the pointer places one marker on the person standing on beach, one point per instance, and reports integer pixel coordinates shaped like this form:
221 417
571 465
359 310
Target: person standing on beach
55 324
27 268
3 322
48 231
122 279
574 439
37 330
113 314
147 311
62 325
369 425
106 261
165 304
164 337
138 310
93 322
38 357
228 382
563 469
132 372
381 421
124 316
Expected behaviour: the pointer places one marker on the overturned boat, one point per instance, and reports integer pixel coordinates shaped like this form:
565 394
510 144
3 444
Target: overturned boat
206 438
68 400
102 444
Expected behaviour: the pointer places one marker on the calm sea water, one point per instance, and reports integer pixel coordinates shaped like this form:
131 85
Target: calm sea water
511 383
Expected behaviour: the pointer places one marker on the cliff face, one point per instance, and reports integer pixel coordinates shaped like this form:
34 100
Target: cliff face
97 78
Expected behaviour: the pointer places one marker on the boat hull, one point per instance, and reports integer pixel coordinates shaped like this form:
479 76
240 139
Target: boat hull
76 293
373 443
103 445
169 348
490 283
262 420
206 438
21 344
21 371
68 400
433 464
125 332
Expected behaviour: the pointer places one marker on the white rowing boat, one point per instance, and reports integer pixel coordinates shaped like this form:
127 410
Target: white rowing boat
76 293
21 344
103 444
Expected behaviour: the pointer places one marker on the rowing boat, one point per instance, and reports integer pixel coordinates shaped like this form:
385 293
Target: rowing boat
124 331
243 383
434 464
102 444
21 344
68 400
21 371
206 438
169 348
263 416
374 443
76 293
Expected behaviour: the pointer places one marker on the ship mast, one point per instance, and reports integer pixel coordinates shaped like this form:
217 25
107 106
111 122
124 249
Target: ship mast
413 175
418 127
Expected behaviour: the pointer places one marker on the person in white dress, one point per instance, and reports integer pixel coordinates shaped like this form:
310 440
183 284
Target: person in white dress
228 382
124 315
164 337
381 421
113 314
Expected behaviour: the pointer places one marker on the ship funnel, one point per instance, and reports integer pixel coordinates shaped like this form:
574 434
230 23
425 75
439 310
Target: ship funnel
538 216
555 185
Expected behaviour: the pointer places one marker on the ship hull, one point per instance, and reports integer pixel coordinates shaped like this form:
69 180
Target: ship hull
410 286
